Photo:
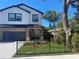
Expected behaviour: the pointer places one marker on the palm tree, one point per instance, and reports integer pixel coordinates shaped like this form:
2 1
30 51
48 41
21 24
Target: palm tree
52 17
48 17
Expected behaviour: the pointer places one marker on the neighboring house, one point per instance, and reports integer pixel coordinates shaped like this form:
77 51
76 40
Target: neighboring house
16 20
53 31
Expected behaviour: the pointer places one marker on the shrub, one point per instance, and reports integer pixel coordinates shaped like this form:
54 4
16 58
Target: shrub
60 36
75 41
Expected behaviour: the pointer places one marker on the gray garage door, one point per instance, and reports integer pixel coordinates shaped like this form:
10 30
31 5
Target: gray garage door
14 36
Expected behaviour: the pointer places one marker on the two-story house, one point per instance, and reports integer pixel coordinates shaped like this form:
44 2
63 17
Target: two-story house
17 20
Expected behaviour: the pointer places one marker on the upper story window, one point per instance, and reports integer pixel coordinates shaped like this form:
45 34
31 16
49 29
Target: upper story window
15 17
35 17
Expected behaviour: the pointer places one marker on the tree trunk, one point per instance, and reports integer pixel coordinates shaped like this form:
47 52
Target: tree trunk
49 25
65 23
54 28
68 39
54 25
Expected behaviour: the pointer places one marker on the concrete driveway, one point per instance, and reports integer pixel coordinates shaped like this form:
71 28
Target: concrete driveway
8 49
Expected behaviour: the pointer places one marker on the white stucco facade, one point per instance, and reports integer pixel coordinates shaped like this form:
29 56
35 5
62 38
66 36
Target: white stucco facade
26 16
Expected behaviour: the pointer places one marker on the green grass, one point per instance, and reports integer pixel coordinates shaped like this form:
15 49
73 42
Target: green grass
42 48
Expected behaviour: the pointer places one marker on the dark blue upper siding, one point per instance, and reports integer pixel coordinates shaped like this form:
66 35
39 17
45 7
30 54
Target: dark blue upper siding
18 26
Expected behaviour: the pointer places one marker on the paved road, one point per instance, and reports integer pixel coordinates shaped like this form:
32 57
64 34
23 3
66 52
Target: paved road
8 49
73 56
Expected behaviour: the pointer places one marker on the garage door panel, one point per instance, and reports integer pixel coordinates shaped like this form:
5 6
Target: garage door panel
14 36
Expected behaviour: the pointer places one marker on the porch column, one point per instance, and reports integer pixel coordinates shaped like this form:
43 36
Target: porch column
1 35
27 35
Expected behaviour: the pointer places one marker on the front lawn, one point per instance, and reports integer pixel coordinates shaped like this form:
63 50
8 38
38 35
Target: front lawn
41 48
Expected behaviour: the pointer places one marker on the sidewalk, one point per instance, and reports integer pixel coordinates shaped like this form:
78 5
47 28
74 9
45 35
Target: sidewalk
73 56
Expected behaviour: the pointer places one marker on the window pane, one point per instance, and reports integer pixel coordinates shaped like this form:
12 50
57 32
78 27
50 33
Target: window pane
35 17
11 17
18 16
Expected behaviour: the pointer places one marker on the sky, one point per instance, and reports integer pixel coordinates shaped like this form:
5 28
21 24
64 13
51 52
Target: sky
40 5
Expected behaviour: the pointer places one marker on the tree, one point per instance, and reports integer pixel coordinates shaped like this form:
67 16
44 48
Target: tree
48 17
65 22
52 17
67 29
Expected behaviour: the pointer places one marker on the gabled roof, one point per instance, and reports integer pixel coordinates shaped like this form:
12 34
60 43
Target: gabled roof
15 6
30 7
22 8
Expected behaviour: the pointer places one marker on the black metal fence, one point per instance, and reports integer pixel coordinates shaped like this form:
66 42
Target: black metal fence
29 48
